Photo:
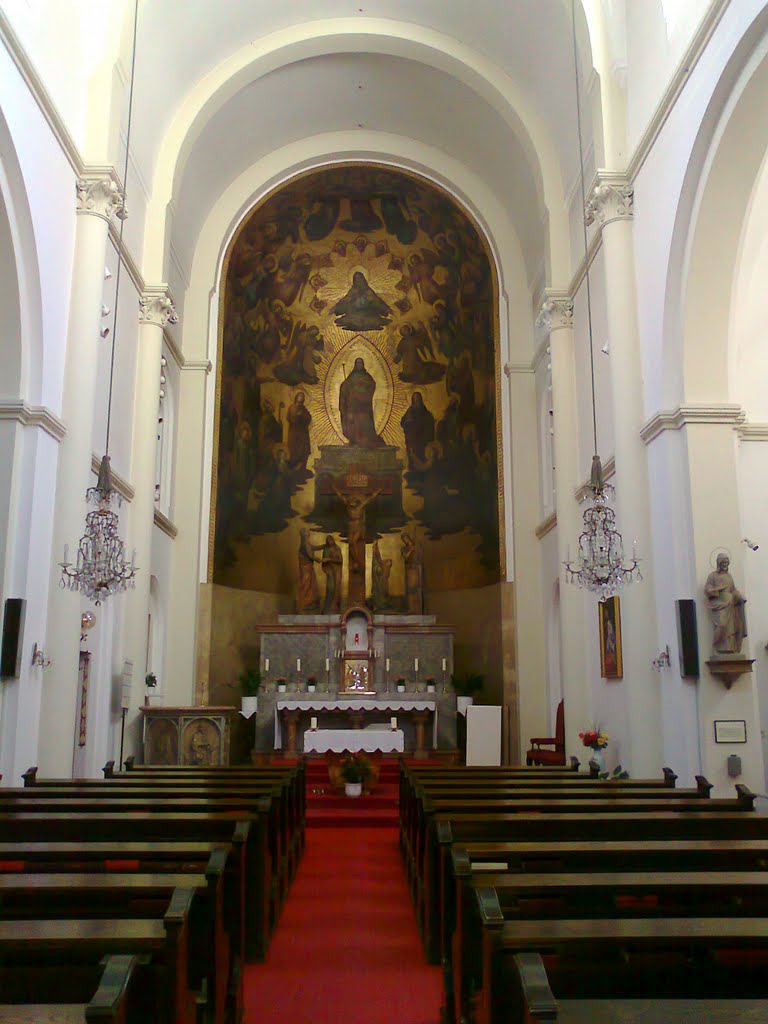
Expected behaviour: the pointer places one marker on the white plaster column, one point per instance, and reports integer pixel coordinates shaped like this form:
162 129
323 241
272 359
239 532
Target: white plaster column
556 317
156 311
98 199
610 205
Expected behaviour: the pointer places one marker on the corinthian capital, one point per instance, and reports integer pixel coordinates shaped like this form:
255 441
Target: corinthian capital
156 307
556 311
99 196
611 197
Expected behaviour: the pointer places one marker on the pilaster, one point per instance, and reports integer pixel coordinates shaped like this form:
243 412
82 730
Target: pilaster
610 205
556 318
97 199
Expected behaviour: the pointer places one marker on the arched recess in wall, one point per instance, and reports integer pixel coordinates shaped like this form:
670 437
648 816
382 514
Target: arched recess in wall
358 353
21 328
723 170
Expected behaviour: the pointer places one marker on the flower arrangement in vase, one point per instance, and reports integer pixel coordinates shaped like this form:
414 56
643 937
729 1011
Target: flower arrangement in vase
400 684
311 684
597 741
430 681
280 682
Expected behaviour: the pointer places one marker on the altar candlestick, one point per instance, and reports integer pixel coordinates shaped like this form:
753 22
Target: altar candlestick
445 664
298 664
387 665
266 664
393 723
415 664
313 723
327 664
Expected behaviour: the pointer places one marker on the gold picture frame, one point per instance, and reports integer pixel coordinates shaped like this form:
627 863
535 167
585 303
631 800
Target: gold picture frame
611 666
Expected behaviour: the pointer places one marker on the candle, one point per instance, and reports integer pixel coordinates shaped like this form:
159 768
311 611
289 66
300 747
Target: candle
298 664
416 664
313 723
634 550
445 664
327 664
266 664
387 665
393 723
568 554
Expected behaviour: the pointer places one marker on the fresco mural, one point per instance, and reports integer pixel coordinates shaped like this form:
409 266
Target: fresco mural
357 394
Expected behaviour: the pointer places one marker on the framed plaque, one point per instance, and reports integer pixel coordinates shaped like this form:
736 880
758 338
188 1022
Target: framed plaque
730 730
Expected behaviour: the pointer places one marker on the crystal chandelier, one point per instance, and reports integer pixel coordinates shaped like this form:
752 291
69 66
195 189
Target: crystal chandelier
600 565
100 568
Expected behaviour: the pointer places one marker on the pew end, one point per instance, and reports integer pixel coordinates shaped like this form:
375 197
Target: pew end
30 776
534 995
109 770
703 786
669 778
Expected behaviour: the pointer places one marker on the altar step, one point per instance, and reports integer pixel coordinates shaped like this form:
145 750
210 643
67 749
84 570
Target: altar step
327 807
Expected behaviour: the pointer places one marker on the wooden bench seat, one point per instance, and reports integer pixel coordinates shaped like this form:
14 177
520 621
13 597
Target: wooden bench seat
59 960
248 832
112 1002
721 958
64 896
533 1000
603 895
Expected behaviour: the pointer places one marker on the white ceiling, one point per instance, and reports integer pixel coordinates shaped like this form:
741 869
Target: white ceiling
182 41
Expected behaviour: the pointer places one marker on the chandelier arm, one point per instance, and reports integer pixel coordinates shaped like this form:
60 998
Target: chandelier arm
122 220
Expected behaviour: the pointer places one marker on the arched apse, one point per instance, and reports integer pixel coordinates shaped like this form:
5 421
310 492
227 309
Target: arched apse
429 357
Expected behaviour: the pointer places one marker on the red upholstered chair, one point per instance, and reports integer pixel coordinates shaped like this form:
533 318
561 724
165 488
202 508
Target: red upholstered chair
557 756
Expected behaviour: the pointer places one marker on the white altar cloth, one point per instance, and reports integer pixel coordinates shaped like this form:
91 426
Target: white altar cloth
385 703
385 740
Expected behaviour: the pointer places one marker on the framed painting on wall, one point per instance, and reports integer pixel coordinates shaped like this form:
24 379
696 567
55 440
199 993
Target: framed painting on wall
610 639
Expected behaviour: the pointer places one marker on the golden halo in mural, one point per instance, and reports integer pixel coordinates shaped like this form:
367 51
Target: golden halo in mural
359 347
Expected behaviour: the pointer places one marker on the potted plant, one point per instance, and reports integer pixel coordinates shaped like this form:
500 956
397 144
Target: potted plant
597 741
280 680
400 684
355 770
465 687
430 681
250 681
311 684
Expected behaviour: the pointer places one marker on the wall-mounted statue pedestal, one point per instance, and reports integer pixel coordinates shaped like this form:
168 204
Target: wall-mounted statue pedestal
729 668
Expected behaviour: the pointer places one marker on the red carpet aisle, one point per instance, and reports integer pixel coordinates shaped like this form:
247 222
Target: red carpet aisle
346 949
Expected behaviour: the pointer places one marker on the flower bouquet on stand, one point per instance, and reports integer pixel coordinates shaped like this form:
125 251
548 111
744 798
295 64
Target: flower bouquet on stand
597 741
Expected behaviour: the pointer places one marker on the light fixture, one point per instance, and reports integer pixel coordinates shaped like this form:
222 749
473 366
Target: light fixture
100 568
600 565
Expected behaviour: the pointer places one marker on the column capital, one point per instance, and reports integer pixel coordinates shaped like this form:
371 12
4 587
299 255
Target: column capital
100 196
611 197
556 311
156 307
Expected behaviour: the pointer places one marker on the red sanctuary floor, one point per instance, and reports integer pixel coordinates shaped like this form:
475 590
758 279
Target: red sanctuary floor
346 948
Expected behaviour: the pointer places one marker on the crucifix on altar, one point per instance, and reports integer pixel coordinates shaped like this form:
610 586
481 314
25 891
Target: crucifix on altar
356 503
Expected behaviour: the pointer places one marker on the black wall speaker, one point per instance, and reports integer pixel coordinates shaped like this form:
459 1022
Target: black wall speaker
687 637
13 629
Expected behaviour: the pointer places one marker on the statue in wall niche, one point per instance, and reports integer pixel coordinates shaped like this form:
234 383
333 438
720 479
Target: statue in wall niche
332 560
356 408
726 606
308 592
412 560
380 569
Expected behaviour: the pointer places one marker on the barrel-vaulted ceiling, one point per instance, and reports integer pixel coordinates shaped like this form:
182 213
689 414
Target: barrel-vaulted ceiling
221 85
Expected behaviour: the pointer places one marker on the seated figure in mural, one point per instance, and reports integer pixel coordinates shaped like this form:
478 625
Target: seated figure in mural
726 606
414 344
412 559
302 356
361 309
356 408
418 425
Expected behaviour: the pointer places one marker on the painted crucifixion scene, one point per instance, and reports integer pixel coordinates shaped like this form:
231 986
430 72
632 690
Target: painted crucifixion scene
357 429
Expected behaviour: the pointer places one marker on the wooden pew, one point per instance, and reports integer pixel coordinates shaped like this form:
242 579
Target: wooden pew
592 895
113 1000
680 958
62 957
285 826
66 895
532 1000
249 831
617 820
